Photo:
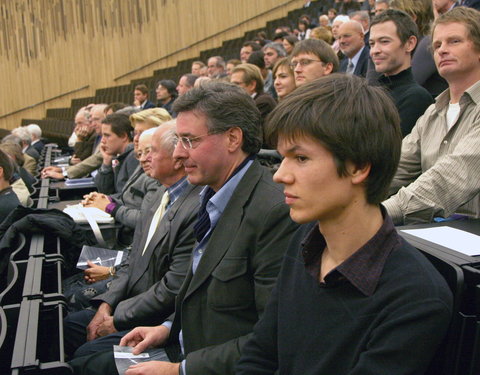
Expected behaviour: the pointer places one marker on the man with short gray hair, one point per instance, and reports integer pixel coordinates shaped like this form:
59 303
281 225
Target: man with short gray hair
36 134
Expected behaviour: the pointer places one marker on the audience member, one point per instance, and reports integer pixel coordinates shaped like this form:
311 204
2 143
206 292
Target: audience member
352 45
249 77
272 52
91 163
242 230
443 6
381 6
336 25
197 67
311 59
257 58
288 43
232 63
30 164
143 293
36 135
89 136
304 30
18 158
349 288
393 38
186 82
284 80
82 120
140 190
423 67
331 14
216 67
323 20
119 160
363 18
322 33
346 6
140 97
8 199
27 148
438 174
166 95
247 49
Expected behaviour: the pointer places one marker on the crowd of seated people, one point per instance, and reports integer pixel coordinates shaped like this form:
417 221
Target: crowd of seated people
368 123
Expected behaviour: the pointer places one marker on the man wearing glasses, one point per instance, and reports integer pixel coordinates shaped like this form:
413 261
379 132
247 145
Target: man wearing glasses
312 59
242 231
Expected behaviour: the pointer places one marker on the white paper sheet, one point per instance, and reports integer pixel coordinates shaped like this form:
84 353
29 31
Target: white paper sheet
455 239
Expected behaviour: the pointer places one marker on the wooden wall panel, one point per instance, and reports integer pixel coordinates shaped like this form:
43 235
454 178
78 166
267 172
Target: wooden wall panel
51 47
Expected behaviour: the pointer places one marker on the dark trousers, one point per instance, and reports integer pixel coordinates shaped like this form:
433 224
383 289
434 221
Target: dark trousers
75 335
104 363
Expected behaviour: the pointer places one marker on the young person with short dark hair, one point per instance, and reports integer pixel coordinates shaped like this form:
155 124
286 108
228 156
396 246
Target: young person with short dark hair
352 297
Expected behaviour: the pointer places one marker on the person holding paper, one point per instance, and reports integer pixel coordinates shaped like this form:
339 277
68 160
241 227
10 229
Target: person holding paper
144 291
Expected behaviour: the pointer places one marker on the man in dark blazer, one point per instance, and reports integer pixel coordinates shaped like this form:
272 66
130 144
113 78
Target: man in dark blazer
352 45
144 291
242 231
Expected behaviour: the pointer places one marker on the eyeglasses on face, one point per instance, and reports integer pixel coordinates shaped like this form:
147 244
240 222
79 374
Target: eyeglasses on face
143 152
189 143
303 63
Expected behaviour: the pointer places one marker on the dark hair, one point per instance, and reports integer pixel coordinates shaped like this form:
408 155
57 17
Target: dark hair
356 122
142 88
7 165
257 58
250 43
191 78
120 124
319 48
225 106
114 107
171 87
468 17
406 26
281 35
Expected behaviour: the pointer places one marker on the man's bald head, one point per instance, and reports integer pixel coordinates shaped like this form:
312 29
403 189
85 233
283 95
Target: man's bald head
350 35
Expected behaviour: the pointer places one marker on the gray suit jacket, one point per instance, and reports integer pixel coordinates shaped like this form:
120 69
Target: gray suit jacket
143 293
218 306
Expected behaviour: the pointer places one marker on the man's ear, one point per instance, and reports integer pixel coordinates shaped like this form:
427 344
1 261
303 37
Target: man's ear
328 68
358 174
235 138
177 164
411 43
1 173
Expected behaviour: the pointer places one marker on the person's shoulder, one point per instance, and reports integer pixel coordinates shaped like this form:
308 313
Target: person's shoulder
410 273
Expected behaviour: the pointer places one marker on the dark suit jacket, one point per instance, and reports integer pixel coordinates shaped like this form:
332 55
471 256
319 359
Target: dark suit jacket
143 293
218 306
475 4
38 146
148 104
32 152
362 63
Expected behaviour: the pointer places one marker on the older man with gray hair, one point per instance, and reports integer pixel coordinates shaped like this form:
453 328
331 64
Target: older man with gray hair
36 134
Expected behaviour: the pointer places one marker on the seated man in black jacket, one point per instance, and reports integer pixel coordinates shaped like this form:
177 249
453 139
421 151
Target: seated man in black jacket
352 297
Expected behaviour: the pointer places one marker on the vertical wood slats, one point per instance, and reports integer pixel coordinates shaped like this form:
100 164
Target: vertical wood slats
49 47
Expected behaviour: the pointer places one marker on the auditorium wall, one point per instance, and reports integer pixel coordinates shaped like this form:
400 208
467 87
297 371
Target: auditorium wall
52 51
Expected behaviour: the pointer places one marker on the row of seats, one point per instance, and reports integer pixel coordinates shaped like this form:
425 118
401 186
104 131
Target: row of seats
32 306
